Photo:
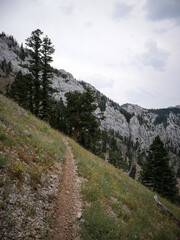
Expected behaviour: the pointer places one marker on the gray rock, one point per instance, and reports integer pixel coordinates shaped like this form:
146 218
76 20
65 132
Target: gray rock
79 215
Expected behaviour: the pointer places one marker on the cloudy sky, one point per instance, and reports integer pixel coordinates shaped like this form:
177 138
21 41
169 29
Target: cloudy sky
127 49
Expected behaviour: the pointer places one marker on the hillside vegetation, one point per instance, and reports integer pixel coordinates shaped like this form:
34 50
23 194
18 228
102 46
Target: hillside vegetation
30 157
114 205
118 207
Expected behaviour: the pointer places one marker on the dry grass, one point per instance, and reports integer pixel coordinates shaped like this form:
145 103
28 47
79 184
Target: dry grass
27 144
30 152
117 207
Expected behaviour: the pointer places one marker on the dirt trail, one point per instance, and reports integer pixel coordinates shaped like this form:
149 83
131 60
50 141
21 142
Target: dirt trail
68 205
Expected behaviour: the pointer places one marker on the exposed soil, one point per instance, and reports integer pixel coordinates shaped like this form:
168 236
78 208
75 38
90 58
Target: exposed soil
68 205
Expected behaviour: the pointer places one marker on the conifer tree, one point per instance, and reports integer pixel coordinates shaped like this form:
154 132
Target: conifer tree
104 140
47 89
22 53
9 68
36 86
58 117
156 172
34 43
18 90
80 108
21 90
4 65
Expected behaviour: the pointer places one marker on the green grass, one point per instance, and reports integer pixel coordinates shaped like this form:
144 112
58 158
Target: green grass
29 150
117 207
31 144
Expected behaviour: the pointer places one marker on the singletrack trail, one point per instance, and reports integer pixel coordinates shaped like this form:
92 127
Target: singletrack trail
68 204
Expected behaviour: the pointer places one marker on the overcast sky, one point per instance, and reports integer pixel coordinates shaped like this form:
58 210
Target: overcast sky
127 49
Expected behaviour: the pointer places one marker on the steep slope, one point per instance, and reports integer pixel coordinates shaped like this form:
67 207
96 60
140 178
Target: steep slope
31 156
117 207
131 123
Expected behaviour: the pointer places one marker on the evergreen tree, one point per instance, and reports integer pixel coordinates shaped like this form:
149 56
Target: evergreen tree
34 90
116 158
47 89
80 108
34 43
4 65
9 68
104 140
58 117
18 90
156 174
22 53
21 90
113 144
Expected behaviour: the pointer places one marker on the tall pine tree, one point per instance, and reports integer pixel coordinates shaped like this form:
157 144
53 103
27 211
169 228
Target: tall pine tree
18 90
80 108
21 90
47 74
34 44
156 172
34 90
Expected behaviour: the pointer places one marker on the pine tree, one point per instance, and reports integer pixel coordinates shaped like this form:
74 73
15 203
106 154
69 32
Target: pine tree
22 53
58 117
21 90
47 73
80 108
9 68
37 85
18 90
157 174
104 140
34 43
4 65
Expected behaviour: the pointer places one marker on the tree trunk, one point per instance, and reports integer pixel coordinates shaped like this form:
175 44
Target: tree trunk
75 135
164 208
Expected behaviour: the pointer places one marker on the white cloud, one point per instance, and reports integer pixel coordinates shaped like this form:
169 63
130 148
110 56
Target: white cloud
121 10
163 10
154 56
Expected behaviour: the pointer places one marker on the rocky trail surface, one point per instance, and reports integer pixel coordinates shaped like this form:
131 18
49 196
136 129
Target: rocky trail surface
68 206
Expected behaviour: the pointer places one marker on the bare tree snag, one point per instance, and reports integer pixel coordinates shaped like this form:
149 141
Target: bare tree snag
165 208
137 154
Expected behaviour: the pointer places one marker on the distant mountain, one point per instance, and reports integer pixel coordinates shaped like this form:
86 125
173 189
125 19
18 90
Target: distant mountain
177 106
131 123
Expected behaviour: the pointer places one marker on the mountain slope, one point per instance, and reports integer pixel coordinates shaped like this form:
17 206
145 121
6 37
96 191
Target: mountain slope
117 207
130 121
31 154
131 124
114 205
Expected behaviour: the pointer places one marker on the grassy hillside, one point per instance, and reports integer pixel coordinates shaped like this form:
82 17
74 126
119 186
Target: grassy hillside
117 207
114 206
30 157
